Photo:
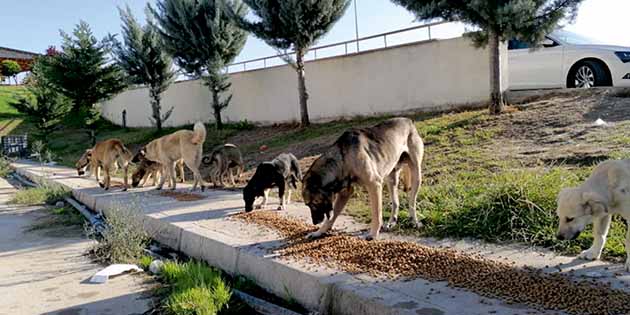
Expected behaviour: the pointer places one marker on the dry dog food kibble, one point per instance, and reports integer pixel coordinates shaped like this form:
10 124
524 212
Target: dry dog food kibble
483 276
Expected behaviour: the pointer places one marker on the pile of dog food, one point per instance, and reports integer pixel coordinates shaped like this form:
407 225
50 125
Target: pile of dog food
181 196
486 277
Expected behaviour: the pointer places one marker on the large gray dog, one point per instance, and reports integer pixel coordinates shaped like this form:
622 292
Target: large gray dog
369 157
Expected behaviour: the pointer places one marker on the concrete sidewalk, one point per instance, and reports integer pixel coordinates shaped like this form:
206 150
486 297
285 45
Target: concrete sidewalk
46 271
202 229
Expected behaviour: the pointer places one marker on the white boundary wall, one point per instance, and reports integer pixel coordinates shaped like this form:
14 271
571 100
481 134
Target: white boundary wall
423 76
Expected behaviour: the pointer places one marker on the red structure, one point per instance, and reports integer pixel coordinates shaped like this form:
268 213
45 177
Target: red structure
23 58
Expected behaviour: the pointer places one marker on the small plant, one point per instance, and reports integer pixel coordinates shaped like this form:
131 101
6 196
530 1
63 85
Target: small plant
144 262
124 239
5 166
196 289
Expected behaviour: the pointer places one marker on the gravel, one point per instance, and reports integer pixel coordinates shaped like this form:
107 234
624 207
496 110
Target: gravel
489 278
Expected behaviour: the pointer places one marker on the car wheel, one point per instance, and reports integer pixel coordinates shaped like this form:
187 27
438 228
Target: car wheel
587 74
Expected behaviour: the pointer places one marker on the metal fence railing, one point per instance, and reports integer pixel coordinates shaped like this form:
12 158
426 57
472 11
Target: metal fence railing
349 47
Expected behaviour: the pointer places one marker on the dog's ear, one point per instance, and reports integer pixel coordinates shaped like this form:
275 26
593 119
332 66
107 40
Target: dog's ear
594 203
88 153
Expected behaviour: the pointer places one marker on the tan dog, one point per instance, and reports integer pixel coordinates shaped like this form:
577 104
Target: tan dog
224 161
184 145
604 193
106 155
369 157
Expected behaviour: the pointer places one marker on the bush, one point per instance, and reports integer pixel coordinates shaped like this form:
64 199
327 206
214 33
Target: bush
124 239
196 289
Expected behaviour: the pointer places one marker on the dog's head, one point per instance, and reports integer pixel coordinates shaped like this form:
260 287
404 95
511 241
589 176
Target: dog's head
249 196
318 200
83 163
576 209
140 156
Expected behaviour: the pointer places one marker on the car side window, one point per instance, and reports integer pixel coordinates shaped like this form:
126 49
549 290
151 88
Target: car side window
517 44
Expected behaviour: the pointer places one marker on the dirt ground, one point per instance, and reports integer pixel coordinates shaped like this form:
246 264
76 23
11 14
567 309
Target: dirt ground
46 272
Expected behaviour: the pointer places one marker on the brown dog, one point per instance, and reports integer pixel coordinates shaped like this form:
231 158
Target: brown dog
106 155
151 170
184 145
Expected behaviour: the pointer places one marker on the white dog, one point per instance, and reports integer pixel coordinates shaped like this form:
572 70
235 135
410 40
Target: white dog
604 193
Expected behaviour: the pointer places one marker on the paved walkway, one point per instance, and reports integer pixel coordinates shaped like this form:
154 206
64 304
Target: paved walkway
46 271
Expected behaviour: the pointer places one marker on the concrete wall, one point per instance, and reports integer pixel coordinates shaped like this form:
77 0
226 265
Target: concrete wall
419 76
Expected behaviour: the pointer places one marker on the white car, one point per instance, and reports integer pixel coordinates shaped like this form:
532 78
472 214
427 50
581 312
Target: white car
567 60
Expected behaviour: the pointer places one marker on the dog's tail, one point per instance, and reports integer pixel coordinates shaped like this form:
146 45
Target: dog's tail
199 133
295 168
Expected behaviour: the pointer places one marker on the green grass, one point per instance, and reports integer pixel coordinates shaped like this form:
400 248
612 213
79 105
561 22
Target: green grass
11 121
194 289
144 262
40 195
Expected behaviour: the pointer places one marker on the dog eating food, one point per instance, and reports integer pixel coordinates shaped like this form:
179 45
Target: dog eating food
485 277
282 172
106 155
224 160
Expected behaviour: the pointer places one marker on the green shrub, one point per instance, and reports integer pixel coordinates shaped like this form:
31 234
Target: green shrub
196 289
144 262
124 239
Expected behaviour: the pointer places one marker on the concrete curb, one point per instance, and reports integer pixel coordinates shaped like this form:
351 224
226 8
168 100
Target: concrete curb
202 231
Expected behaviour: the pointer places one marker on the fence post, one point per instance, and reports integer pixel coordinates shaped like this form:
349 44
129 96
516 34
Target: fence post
124 118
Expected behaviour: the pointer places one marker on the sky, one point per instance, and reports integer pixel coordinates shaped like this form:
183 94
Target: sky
33 25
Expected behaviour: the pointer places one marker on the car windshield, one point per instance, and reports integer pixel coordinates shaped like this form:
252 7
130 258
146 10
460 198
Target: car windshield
574 39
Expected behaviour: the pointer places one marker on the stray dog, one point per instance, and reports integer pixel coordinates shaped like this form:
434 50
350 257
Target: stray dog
184 145
107 155
282 172
368 157
222 161
148 169
604 193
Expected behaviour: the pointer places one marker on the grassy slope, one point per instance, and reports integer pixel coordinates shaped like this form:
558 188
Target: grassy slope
494 178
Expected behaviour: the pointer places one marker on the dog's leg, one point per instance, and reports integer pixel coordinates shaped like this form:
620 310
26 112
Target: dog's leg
173 175
340 202
125 174
375 193
392 186
265 197
231 177
416 180
107 178
281 189
162 177
600 231
180 164
288 196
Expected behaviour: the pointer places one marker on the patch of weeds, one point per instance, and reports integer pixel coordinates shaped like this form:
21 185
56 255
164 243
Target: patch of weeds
144 262
194 289
45 194
124 239
59 217
5 166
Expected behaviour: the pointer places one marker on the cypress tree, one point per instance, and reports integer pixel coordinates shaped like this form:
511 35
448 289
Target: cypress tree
294 25
203 39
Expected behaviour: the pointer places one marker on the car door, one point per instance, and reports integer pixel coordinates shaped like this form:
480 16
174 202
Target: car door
537 68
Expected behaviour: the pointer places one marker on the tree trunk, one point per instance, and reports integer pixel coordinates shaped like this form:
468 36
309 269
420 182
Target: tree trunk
155 106
216 105
496 84
302 88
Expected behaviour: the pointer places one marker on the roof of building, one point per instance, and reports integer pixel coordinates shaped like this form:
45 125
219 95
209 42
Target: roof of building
10 53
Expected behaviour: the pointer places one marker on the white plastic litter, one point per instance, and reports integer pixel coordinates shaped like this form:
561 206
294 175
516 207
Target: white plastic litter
156 267
113 270
600 122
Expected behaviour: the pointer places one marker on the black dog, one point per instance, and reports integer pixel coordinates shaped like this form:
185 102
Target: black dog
282 172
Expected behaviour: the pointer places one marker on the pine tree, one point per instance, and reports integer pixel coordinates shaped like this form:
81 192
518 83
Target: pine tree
43 104
296 25
146 62
498 21
83 71
203 39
